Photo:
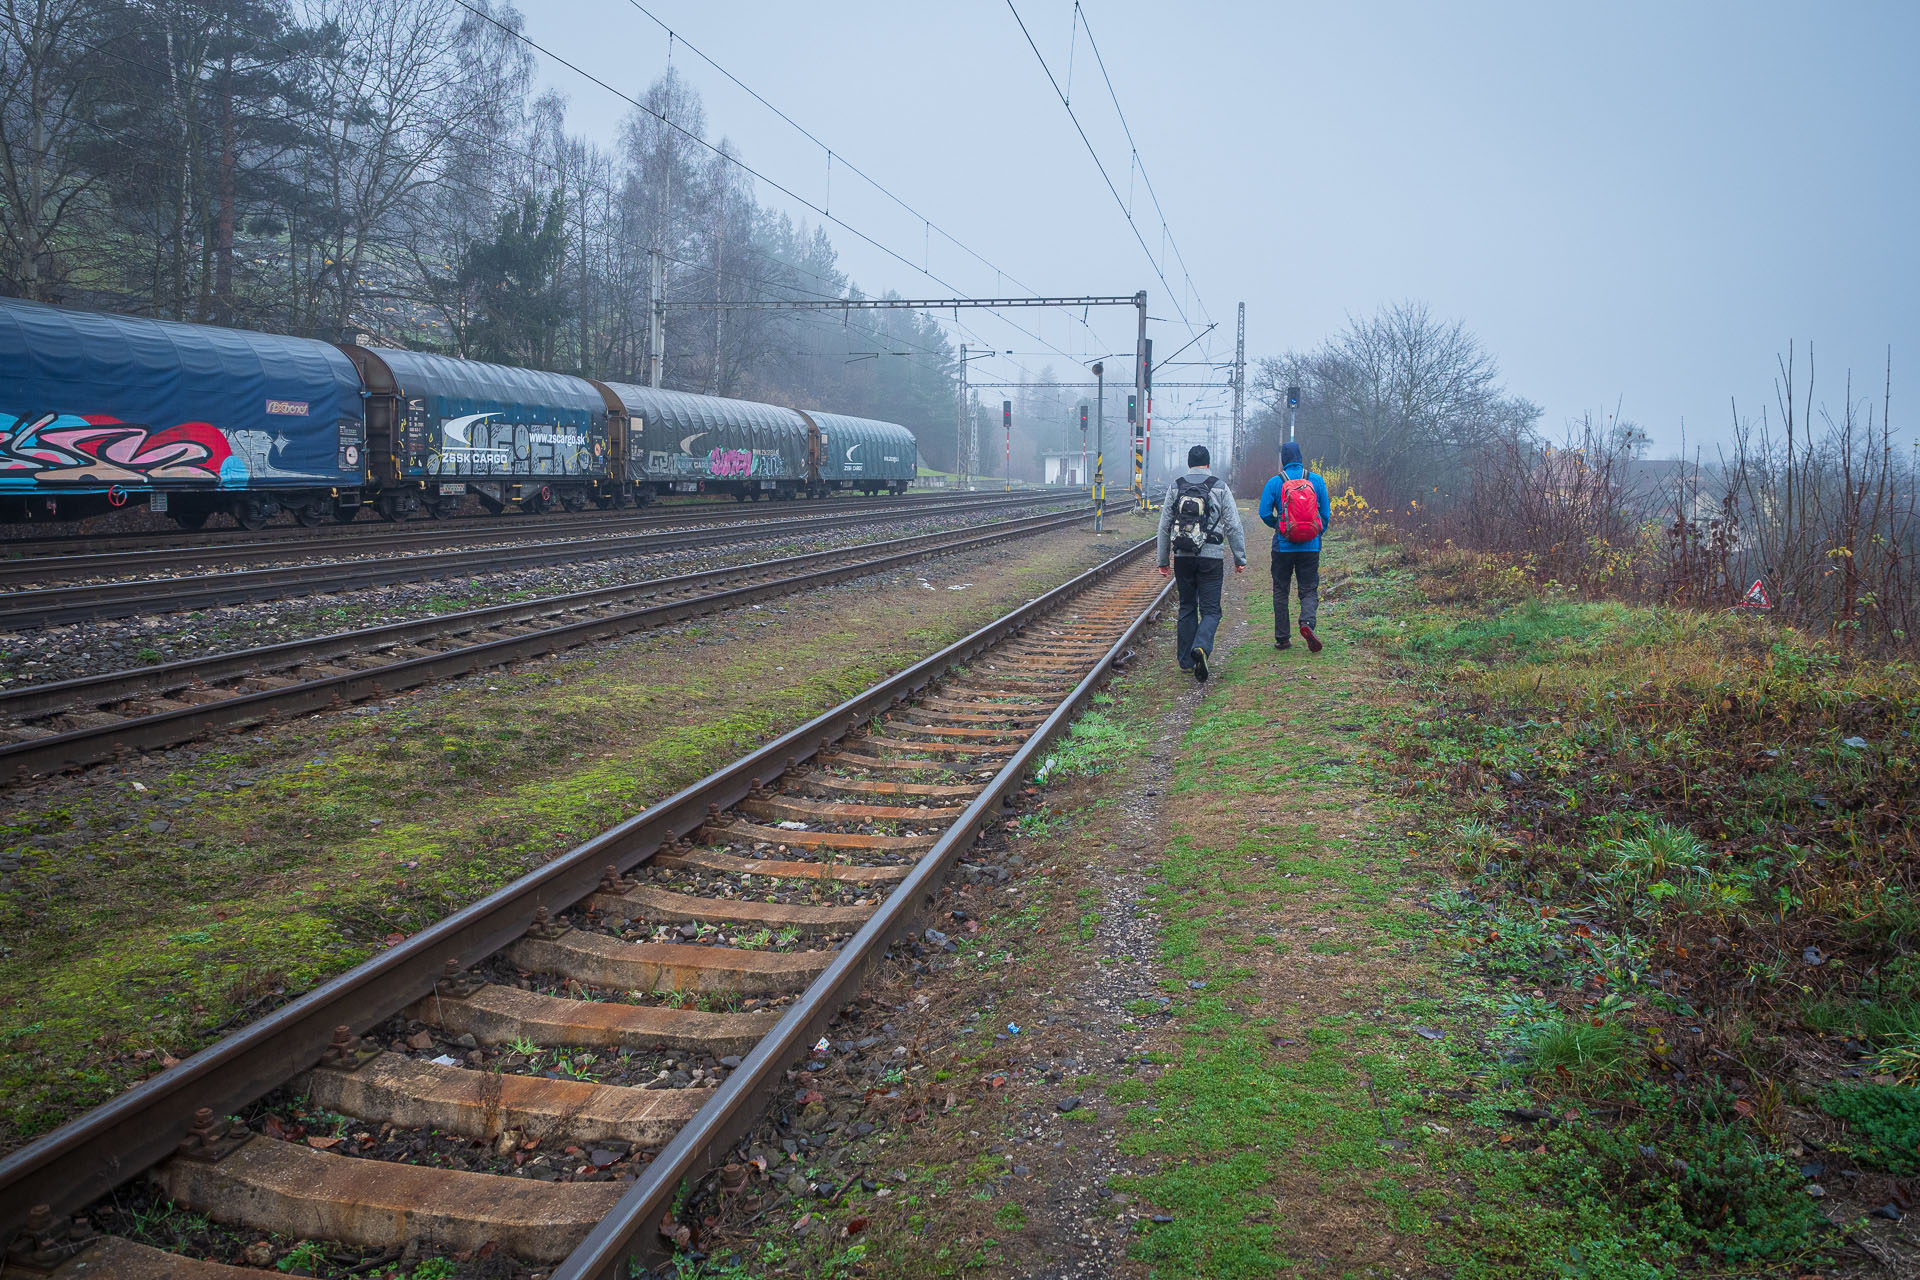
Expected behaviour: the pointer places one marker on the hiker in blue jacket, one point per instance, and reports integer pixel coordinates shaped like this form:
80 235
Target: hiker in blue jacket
1296 542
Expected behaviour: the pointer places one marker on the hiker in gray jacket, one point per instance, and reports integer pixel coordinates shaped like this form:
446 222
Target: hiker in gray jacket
1199 523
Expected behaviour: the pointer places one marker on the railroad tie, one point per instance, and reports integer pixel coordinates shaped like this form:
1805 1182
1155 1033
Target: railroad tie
663 906
876 787
303 1194
602 961
779 869
499 1015
802 809
413 1093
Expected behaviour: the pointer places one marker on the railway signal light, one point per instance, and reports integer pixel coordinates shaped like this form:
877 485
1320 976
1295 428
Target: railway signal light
1006 414
1133 407
1293 397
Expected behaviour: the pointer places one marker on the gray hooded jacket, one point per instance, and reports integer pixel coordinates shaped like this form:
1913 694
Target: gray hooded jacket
1223 517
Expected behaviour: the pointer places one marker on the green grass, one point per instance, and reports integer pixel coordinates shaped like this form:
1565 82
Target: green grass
1243 1109
120 939
1094 743
1349 1105
1580 1052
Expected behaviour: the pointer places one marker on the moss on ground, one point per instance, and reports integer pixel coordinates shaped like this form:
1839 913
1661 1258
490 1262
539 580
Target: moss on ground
163 904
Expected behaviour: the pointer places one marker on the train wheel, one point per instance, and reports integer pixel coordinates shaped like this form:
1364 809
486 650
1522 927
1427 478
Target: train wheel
604 503
249 513
191 521
573 501
343 514
443 508
316 513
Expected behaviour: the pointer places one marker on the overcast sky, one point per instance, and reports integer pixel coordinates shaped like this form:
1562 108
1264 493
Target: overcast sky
1632 202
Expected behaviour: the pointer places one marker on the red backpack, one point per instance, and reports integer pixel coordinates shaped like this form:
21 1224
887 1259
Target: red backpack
1299 510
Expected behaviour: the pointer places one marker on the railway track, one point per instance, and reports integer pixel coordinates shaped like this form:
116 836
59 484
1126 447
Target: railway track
85 560
72 723
54 606
475 525
594 956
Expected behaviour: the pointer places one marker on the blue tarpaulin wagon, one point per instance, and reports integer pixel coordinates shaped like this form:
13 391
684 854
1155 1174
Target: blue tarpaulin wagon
862 454
440 427
97 411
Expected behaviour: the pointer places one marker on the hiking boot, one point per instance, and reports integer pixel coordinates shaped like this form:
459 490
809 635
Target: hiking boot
1313 641
1199 664
1283 644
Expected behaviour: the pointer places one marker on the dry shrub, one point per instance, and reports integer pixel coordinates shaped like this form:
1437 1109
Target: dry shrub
1823 516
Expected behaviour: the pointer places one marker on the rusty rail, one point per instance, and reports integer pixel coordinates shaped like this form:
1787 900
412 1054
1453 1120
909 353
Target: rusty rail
171 728
91 1155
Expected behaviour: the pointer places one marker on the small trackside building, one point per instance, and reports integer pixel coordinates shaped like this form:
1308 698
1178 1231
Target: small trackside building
439 427
98 410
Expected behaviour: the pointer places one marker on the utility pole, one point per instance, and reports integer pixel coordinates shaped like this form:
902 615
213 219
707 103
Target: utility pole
656 324
1099 447
1239 392
967 443
960 436
1142 410
1006 420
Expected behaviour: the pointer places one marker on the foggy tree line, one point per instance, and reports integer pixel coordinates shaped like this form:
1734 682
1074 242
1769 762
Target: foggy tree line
336 168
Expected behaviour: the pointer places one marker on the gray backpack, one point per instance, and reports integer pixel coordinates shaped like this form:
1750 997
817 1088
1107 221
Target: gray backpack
1193 515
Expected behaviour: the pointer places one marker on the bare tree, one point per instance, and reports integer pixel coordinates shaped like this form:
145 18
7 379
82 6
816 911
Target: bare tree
47 88
414 76
1398 399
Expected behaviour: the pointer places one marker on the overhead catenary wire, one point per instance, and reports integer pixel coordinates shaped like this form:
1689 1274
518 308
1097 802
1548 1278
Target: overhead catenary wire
782 188
1134 147
1101 166
837 156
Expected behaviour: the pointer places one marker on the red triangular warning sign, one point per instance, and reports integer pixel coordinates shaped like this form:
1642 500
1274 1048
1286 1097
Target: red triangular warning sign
1756 597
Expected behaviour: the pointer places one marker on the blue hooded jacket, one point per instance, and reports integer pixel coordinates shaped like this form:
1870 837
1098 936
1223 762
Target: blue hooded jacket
1292 467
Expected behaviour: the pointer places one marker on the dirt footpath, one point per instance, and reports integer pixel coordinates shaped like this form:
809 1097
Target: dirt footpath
1190 1033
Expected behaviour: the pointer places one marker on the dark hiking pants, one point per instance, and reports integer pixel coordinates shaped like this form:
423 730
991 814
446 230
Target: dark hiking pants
1198 580
1287 565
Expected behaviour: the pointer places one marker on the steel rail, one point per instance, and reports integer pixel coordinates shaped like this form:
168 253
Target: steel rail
170 728
95 691
28 610
89 1156
630 1236
97 561
163 539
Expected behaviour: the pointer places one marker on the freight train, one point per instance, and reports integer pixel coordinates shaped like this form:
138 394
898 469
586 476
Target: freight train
99 411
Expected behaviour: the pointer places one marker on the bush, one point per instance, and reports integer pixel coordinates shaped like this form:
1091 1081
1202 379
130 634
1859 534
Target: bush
1690 1181
1887 1117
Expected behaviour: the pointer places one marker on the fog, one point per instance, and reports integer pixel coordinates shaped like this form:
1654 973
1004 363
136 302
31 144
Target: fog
1634 204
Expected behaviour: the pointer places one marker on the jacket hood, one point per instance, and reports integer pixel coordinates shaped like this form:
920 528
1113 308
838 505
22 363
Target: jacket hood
1290 455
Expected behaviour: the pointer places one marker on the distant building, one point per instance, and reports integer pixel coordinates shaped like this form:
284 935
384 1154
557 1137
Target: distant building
1069 469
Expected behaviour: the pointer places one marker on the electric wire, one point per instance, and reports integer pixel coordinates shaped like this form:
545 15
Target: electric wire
1101 166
